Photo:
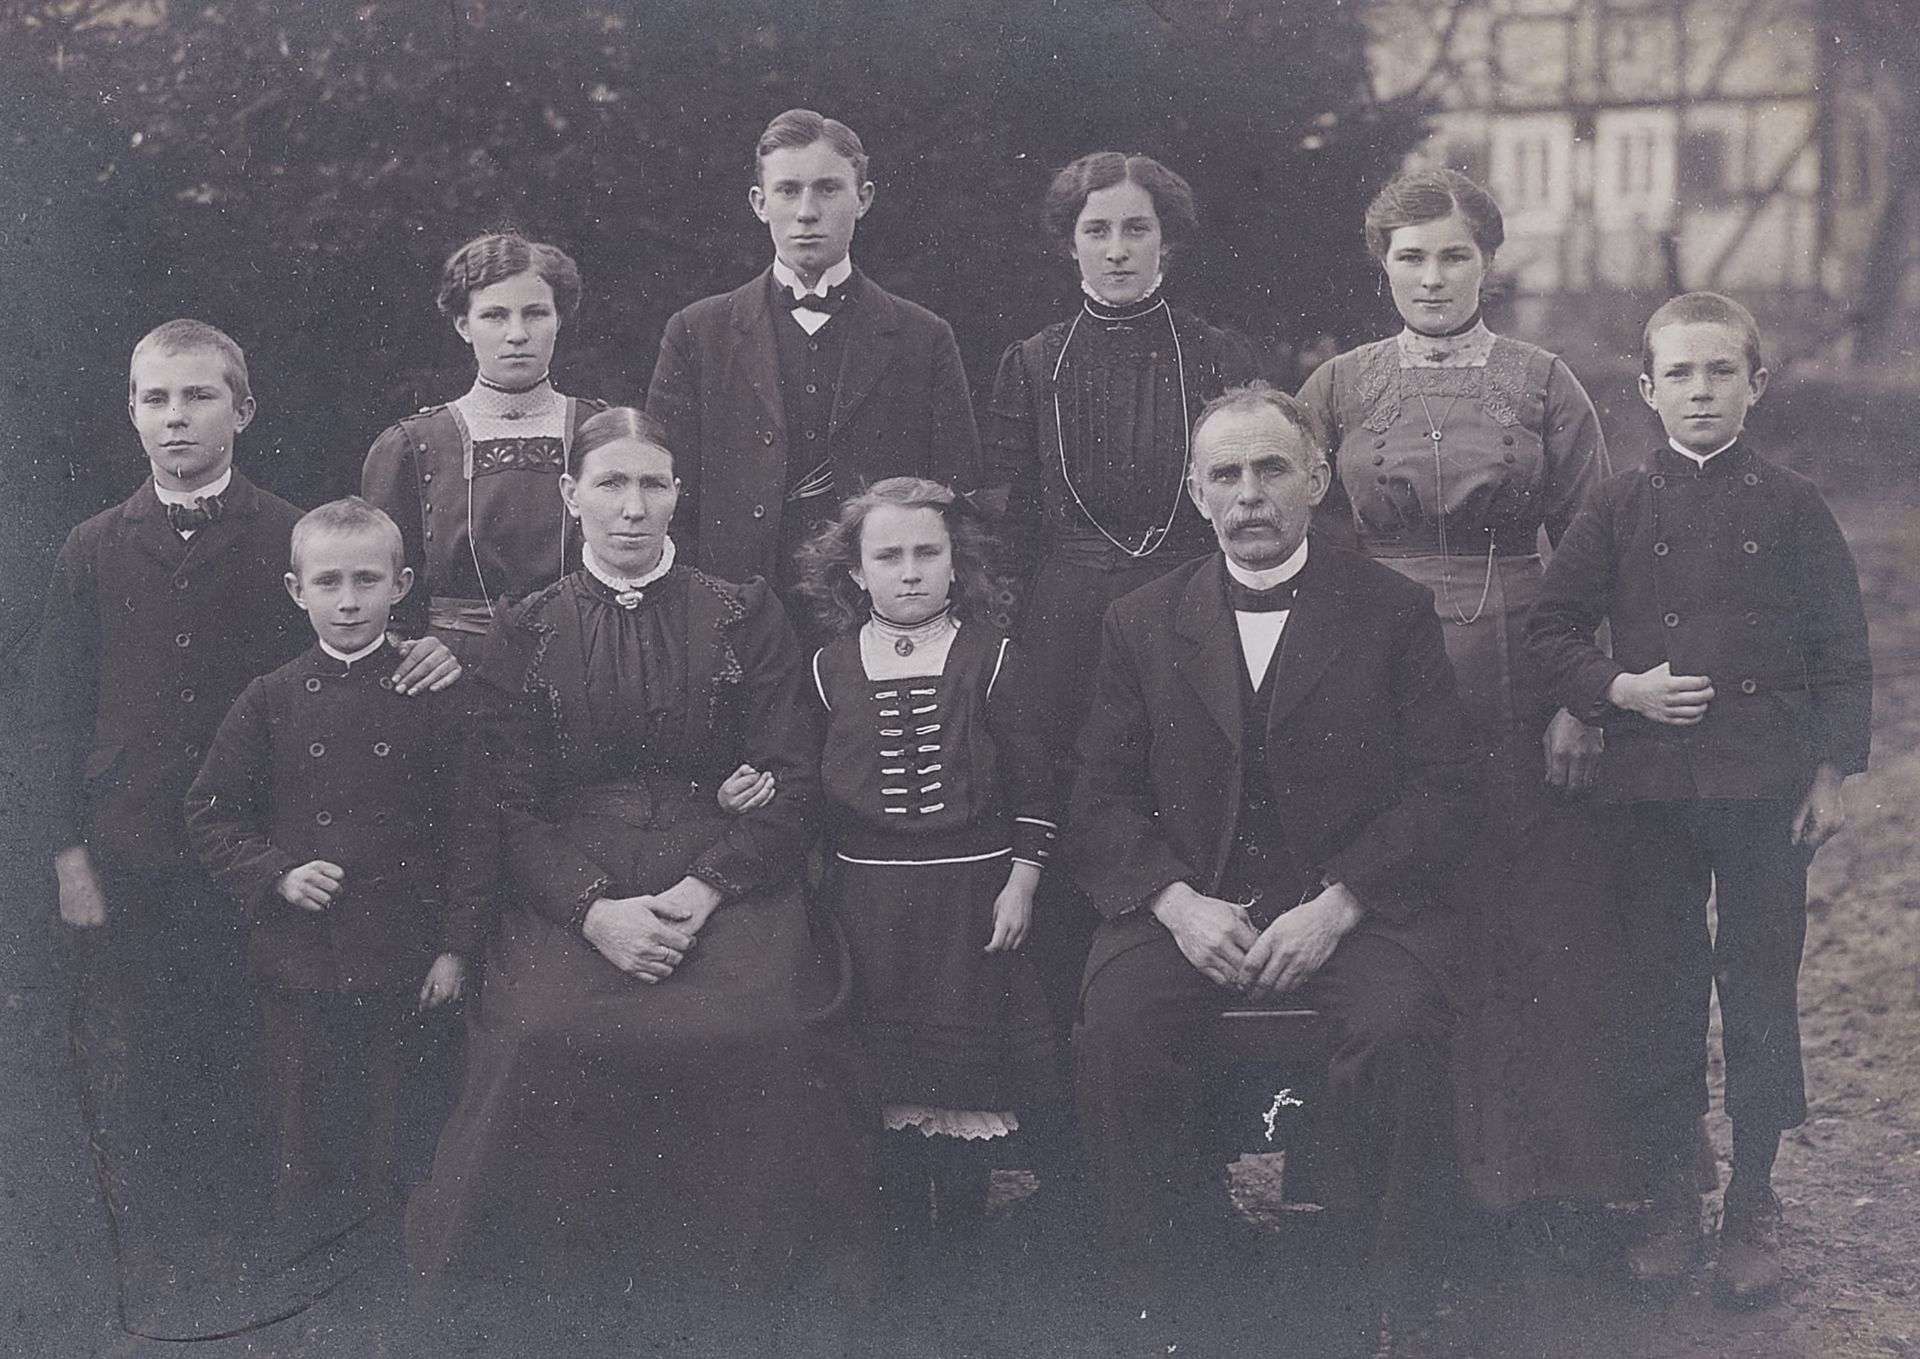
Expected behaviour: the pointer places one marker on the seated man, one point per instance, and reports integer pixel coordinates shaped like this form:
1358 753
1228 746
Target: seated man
1274 780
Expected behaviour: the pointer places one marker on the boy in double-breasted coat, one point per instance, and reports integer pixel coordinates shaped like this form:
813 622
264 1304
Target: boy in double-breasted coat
1736 701
158 613
326 810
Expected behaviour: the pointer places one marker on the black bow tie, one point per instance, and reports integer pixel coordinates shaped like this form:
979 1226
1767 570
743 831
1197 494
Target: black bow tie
204 510
1246 599
830 303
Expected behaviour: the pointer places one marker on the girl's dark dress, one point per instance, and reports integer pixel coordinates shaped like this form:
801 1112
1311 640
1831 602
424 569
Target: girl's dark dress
710 1130
935 784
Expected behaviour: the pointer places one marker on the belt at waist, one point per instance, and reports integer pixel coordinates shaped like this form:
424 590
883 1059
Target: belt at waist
982 840
448 613
1507 540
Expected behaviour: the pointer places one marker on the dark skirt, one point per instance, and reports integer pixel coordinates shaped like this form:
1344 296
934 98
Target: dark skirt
1537 1062
709 1133
941 1022
1060 633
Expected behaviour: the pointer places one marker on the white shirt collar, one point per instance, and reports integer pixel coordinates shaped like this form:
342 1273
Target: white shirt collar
217 486
624 583
1701 459
833 278
1268 577
351 657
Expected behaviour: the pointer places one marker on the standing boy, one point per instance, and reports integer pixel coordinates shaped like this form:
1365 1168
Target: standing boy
1736 701
325 808
158 613
794 391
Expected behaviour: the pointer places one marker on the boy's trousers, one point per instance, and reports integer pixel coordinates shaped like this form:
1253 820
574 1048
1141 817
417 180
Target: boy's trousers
160 1031
1741 852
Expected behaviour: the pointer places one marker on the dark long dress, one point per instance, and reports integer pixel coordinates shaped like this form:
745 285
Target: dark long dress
708 1134
935 784
1520 444
1093 449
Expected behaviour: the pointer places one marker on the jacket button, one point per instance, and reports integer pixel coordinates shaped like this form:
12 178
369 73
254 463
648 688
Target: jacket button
429 531
1753 620
1747 686
317 749
386 681
186 695
1751 478
1660 549
193 752
182 639
313 685
1379 443
759 511
811 389
323 818
379 819
1507 439
1672 620
426 476
766 437
1658 482
1379 458
1749 547
179 582
1509 457
382 749
813 434
813 346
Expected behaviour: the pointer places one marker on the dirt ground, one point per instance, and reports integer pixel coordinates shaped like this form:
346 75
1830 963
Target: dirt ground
1850 1178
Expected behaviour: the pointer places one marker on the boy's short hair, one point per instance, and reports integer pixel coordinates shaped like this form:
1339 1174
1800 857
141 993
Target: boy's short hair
1261 395
344 517
1702 308
803 127
501 255
183 335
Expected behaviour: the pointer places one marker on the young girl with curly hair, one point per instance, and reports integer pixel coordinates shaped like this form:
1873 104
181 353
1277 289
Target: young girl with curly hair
941 820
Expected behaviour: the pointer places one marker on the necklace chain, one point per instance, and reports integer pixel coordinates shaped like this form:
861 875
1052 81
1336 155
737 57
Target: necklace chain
1435 432
1150 540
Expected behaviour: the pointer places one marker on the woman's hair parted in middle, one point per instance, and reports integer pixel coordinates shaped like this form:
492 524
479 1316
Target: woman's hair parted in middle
610 426
1172 196
490 259
829 558
1421 196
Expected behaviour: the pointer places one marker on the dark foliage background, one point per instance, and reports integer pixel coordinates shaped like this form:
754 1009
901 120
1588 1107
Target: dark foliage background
296 173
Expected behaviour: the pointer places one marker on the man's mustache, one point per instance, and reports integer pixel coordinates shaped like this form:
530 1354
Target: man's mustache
1237 522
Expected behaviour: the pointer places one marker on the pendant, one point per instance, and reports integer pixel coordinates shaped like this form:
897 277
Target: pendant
903 646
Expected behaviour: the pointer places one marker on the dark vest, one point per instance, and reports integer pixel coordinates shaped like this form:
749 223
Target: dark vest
809 378
1260 861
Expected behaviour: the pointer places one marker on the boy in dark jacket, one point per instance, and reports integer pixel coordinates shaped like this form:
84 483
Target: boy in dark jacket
1736 702
326 809
158 613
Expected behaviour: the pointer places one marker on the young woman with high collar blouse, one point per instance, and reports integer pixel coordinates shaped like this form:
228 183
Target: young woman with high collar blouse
1088 432
472 483
1455 449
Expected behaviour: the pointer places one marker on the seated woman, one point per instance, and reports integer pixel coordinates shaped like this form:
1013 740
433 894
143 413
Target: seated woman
471 483
661 1084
